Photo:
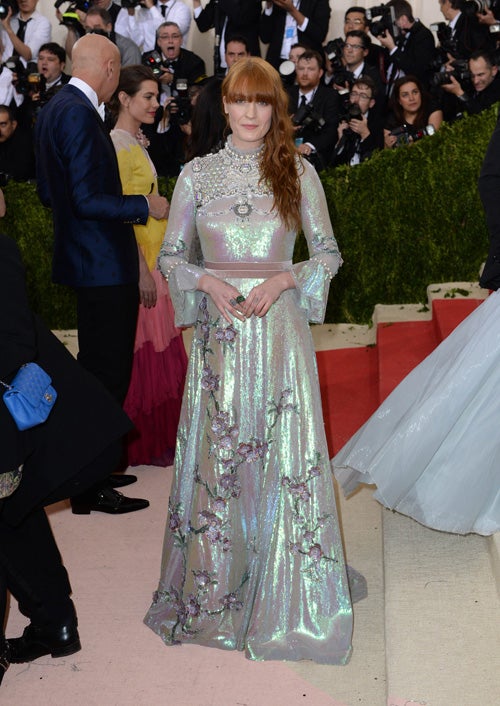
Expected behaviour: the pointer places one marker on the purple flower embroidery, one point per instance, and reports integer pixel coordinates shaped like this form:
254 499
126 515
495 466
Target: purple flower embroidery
294 547
300 490
202 578
230 601
174 521
193 608
315 552
315 471
219 504
309 536
231 483
209 381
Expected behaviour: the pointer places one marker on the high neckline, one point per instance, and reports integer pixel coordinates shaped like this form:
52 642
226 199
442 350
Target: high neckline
254 152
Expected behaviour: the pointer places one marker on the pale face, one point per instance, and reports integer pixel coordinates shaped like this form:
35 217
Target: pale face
355 20
295 54
353 52
249 121
7 127
362 95
27 7
234 52
410 98
170 41
446 9
95 22
49 66
481 74
309 74
142 106
102 4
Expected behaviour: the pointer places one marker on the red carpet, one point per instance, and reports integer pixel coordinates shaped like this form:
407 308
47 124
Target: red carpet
355 380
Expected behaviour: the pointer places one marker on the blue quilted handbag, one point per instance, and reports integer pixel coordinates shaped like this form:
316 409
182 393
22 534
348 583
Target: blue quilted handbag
30 396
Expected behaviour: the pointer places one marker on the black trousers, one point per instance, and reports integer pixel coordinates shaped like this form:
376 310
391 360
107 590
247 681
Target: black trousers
31 567
107 318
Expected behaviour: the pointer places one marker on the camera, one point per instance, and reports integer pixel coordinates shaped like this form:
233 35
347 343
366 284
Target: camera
129 4
4 8
447 45
386 23
306 116
473 7
460 72
27 77
351 111
183 113
333 49
406 134
342 76
152 59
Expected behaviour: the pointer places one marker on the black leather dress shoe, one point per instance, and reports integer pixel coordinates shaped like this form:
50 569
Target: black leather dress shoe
106 499
120 480
36 641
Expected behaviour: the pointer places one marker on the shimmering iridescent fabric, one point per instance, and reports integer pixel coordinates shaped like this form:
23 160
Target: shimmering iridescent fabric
252 557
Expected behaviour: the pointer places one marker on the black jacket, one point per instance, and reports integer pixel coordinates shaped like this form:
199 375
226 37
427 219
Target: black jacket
85 419
272 28
414 55
242 18
326 103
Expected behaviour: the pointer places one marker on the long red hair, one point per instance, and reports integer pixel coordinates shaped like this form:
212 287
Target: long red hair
254 79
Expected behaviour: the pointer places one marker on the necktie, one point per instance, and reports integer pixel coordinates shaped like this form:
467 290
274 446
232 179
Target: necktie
163 9
21 32
303 101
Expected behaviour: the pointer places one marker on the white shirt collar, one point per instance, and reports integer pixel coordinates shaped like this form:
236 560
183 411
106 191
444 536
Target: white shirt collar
89 92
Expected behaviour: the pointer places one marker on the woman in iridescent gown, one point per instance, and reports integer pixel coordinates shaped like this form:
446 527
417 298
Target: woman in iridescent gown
252 557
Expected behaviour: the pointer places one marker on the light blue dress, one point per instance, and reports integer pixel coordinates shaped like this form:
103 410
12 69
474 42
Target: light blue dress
253 557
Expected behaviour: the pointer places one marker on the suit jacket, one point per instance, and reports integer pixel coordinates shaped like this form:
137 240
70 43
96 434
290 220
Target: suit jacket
471 36
242 18
489 191
189 65
415 55
77 176
272 28
326 103
84 420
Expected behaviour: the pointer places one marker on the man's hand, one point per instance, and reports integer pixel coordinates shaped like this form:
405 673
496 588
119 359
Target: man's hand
453 87
486 17
7 18
159 207
387 40
360 127
304 149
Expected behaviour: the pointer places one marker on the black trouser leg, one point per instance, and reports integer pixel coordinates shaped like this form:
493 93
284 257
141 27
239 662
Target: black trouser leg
107 318
34 571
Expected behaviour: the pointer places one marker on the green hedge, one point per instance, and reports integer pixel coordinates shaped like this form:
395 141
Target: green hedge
403 219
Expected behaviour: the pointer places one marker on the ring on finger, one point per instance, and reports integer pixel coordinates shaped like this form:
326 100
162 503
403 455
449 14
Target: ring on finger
233 302
240 299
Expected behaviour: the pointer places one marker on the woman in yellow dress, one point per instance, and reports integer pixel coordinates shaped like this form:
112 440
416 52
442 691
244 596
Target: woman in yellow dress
155 394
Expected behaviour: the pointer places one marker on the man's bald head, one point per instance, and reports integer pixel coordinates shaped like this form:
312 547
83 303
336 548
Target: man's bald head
96 60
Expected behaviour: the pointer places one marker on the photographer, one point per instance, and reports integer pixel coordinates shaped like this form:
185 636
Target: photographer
360 130
17 160
24 32
51 77
175 60
464 34
413 113
141 19
315 110
485 81
99 20
413 50
354 54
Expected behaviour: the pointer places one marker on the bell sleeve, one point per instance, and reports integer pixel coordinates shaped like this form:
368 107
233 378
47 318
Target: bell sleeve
312 277
175 259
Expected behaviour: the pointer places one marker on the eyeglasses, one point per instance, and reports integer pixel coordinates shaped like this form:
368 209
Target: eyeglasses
361 96
354 22
353 46
169 36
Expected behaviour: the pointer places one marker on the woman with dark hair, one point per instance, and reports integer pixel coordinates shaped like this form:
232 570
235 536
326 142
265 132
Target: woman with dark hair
252 558
207 121
155 392
412 111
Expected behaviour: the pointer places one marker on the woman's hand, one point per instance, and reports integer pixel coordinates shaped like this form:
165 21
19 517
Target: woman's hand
147 289
223 295
389 140
263 296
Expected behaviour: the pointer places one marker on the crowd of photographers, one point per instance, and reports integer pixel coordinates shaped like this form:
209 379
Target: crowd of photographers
388 80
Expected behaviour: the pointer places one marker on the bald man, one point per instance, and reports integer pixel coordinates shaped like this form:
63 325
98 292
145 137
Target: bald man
95 251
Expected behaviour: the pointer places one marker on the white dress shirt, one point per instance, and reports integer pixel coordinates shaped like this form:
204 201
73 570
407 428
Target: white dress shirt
38 32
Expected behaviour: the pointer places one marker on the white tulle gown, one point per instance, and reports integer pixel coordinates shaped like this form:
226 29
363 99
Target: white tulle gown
433 446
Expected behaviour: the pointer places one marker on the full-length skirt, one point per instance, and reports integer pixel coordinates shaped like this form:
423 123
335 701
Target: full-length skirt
154 397
433 446
252 557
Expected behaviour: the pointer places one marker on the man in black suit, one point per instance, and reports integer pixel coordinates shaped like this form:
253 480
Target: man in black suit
414 49
489 190
228 18
95 251
177 61
485 80
285 22
311 99
467 35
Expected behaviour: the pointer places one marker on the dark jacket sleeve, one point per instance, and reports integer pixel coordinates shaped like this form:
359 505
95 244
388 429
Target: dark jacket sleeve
17 329
417 58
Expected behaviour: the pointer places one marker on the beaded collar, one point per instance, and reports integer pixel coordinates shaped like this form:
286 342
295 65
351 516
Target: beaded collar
242 155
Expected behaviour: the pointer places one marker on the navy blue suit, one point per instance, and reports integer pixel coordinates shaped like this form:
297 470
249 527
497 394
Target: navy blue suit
95 251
